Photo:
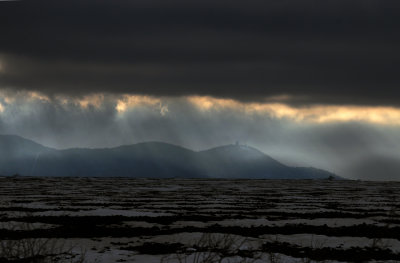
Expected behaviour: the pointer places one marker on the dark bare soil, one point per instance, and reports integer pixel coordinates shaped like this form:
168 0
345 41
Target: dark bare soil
353 221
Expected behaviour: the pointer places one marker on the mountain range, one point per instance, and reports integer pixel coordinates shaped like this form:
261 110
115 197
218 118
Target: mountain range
150 159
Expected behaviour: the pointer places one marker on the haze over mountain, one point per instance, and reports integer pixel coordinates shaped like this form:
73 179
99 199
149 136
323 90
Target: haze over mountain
150 159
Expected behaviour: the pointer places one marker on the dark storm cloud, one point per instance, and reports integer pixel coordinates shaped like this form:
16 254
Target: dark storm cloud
336 52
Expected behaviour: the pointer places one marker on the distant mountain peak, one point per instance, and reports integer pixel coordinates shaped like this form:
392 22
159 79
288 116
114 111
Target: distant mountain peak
13 143
237 151
237 147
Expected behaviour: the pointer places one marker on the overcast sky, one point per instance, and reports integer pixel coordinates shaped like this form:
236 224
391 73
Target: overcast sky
308 82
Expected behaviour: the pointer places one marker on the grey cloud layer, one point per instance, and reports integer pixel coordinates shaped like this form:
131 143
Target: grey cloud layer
336 52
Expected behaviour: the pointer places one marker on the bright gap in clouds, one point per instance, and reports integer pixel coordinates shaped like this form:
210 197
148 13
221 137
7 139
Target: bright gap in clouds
313 114
379 115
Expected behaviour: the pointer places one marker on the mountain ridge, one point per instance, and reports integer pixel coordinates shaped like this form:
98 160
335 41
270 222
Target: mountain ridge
146 159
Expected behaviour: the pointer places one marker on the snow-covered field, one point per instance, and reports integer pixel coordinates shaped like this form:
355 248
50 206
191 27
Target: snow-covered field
192 220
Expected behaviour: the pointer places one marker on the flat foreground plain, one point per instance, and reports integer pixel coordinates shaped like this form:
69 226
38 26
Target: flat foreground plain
192 220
